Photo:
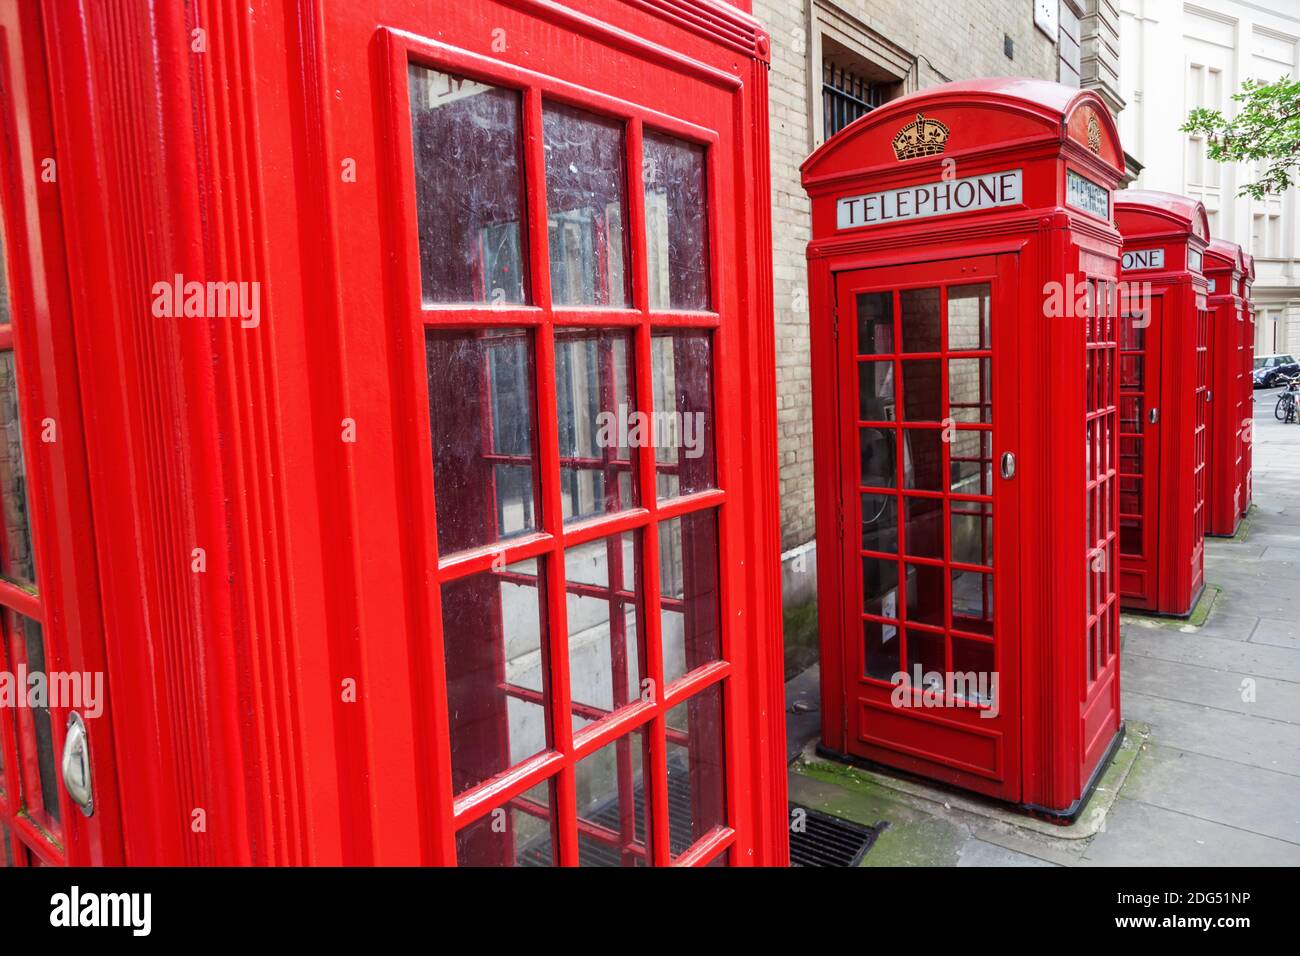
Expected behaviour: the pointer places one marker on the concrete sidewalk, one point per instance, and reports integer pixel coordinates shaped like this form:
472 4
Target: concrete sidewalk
1210 774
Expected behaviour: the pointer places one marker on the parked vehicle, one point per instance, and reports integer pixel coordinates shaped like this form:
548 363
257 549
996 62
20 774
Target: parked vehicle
1270 369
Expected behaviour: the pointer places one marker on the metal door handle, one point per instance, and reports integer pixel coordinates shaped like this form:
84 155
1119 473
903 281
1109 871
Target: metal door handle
1008 465
1155 415
76 765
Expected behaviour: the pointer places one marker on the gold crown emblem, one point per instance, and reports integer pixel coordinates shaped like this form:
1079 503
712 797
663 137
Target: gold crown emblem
1094 132
921 137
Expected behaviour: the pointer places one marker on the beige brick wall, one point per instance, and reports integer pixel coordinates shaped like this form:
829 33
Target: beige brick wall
951 40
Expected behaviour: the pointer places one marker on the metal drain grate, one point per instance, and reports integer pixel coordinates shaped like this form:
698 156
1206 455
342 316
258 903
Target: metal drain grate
829 841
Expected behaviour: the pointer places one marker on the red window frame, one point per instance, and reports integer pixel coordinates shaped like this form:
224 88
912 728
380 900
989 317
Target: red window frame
35 836
963 730
1101 382
554 536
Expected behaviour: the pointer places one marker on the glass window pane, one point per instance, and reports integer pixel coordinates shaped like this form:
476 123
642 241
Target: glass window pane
972 532
689 598
682 424
600 429
1132 371
971 455
880 587
612 822
1133 331
926 598
876 391
27 644
606 661
481 425
875 323
919 319
517 834
923 459
879 457
922 390
494 646
880 523
925 653
972 601
880 649
6 847
468 189
17 560
677 223
696 772
968 317
585 207
973 672
970 390
924 531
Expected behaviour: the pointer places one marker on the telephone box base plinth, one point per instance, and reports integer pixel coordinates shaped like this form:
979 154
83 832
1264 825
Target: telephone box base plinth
1171 615
1063 817
1232 534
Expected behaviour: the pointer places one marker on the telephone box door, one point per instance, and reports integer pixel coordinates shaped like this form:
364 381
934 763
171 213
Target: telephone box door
928 400
1139 454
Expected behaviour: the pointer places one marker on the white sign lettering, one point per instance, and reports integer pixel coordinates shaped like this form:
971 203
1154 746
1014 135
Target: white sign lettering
1211 281
930 199
1084 194
1194 261
1144 259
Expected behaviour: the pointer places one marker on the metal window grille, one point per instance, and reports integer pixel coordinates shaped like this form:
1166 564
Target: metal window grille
845 97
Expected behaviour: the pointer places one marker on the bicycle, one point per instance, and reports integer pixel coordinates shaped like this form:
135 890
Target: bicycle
1286 410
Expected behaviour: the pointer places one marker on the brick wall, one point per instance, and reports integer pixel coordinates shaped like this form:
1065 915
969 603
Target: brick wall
950 40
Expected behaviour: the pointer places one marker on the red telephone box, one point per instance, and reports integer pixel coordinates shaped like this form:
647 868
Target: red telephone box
1248 385
962 273
1230 408
459 543
1164 386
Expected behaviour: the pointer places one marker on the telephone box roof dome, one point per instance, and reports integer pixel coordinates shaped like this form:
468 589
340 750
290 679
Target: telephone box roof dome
1229 253
1046 93
1182 210
1015 109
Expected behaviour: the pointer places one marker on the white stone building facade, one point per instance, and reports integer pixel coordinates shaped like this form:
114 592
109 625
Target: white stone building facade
1179 55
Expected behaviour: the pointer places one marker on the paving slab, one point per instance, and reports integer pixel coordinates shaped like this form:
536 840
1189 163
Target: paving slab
1223 690
1255 741
1281 553
1241 657
1139 834
1231 627
978 853
803 717
1223 791
1276 633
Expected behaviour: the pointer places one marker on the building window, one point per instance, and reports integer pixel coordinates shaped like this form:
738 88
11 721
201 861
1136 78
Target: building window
854 68
1069 67
846 96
